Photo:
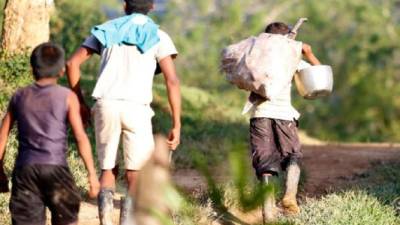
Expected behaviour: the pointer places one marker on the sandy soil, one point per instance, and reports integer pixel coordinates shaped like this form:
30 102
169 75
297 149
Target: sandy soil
327 167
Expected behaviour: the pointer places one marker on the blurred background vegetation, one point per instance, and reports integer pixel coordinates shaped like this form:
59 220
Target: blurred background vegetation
359 38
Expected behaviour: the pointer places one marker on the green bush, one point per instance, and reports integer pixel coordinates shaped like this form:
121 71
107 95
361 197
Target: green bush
14 73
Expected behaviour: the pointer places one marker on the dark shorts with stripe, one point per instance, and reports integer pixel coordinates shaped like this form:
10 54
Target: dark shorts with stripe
36 187
274 143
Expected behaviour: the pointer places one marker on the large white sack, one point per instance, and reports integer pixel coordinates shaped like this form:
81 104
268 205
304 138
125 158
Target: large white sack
263 64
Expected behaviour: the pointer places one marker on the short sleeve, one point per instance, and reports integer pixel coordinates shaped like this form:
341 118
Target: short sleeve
166 46
92 43
303 65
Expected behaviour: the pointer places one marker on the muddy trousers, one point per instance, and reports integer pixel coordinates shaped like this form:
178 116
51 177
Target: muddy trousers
274 144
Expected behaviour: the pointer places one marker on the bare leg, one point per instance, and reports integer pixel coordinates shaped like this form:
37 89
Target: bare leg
107 179
269 210
289 201
131 178
106 197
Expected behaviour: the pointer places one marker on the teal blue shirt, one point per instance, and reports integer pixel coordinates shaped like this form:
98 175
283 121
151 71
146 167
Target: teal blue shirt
135 29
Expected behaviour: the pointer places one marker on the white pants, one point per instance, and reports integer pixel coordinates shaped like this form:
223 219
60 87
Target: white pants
117 119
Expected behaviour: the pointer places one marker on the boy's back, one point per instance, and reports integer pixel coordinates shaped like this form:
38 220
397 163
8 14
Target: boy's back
125 72
41 177
41 115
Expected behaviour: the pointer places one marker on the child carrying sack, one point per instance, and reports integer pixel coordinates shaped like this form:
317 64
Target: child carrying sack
263 64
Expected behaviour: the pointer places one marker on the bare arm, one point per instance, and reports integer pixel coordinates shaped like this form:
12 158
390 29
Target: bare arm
174 98
74 75
83 143
73 70
5 129
308 53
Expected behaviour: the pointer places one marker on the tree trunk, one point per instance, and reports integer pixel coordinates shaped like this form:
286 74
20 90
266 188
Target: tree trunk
26 24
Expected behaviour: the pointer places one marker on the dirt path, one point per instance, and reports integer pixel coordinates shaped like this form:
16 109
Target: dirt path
333 166
326 167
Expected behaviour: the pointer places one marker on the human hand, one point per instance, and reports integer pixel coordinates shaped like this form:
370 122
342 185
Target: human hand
306 49
308 53
174 137
3 181
94 186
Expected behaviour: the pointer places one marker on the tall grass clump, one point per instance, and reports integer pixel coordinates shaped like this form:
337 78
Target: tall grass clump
350 208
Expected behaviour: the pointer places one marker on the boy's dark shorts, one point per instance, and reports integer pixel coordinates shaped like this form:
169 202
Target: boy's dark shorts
274 143
36 187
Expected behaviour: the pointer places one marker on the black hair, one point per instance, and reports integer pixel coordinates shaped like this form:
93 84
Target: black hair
277 28
47 60
138 6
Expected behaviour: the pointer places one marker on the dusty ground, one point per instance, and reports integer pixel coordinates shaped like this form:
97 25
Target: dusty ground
332 167
326 167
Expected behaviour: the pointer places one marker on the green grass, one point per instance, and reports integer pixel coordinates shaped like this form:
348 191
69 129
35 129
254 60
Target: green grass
209 124
212 129
215 132
349 207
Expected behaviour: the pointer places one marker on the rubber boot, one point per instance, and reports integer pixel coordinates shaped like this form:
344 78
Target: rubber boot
269 210
289 201
126 213
106 206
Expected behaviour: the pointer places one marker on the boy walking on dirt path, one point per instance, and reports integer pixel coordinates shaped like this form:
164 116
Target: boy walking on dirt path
41 176
130 48
274 140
